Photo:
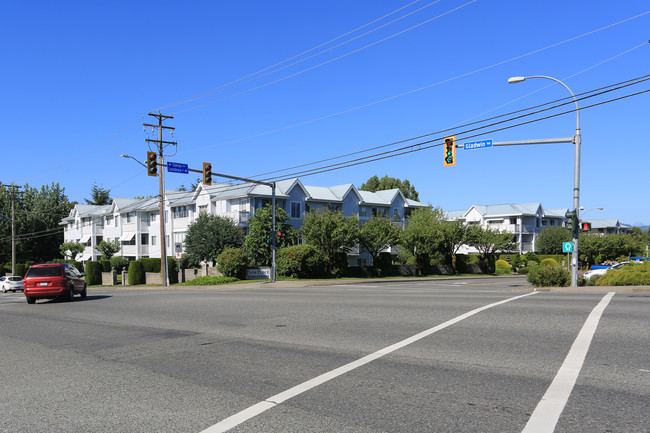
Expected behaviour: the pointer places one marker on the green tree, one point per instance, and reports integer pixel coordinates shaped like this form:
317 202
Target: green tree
421 239
108 249
550 240
376 184
376 235
70 250
38 216
260 225
209 235
454 235
99 195
331 232
488 242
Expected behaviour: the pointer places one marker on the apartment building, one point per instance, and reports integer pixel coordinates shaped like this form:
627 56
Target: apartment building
135 223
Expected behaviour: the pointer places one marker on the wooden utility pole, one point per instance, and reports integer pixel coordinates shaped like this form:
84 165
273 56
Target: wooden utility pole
161 185
13 226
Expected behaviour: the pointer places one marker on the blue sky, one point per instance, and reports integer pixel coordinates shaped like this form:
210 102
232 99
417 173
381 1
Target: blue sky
79 78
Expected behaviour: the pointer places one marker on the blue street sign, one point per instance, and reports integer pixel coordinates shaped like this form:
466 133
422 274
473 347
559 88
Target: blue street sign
177 167
477 144
567 247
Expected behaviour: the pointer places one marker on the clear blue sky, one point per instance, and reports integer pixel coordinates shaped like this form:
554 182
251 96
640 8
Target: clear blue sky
78 79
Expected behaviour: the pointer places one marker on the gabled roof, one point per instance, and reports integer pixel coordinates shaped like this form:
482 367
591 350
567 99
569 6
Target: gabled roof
604 223
122 203
321 193
508 209
556 213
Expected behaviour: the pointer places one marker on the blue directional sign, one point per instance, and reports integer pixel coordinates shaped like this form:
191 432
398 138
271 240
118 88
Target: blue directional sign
567 247
177 167
477 144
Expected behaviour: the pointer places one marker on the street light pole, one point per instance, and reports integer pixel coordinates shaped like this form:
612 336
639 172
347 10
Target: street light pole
577 139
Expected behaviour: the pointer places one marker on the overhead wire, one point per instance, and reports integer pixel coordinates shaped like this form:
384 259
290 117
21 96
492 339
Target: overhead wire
243 80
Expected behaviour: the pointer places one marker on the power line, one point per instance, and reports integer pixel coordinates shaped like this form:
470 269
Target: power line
245 79
568 100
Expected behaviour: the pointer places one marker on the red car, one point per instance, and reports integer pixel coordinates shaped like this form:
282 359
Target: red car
53 280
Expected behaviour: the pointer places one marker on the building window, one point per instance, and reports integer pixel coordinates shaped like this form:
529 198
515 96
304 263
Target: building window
85 222
144 239
153 240
153 216
109 220
117 220
203 209
179 212
295 209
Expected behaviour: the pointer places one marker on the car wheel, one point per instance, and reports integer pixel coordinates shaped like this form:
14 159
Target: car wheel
30 300
84 291
4 289
71 294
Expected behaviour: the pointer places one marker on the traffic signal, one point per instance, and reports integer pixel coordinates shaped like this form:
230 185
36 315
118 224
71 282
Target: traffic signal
280 234
450 150
268 237
207 173
152 164
571 220
586 226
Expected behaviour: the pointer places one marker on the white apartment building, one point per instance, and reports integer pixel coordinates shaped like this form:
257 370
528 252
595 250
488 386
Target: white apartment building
135 223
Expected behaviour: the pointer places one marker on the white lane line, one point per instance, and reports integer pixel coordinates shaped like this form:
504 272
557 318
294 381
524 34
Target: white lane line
548 410
270 402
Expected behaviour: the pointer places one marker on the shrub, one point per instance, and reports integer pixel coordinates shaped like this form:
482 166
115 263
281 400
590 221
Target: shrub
502 267
209 281
630 275
150 264
106 265
524 271
20 269
301 261
29 263
119 263
233 262
530 257
542 276
93 273
136 273
549 263
172 270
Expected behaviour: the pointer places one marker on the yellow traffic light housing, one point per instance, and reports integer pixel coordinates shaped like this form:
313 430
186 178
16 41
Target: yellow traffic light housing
450 151
207 173
152 164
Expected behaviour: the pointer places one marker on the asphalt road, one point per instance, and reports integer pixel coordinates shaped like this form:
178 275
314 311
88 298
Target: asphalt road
386 357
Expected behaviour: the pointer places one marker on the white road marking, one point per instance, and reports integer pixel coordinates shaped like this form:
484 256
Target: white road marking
548 410
271 402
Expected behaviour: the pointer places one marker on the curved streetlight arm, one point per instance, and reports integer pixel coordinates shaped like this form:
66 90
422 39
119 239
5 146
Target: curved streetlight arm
577 139
139 162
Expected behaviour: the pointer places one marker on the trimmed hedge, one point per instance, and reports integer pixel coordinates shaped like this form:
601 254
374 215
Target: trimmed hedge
209 281
93 273
172 270
384 264
106 265
501 267
549 263
150 264
136 273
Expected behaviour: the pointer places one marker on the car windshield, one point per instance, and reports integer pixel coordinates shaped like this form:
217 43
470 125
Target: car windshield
44 271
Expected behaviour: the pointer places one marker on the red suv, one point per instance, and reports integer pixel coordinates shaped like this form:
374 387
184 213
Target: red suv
53 280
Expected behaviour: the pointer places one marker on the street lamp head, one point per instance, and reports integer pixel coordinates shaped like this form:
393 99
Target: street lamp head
513 80
125 156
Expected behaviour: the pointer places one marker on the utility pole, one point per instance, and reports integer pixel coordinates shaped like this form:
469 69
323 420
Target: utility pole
13 225
161 186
